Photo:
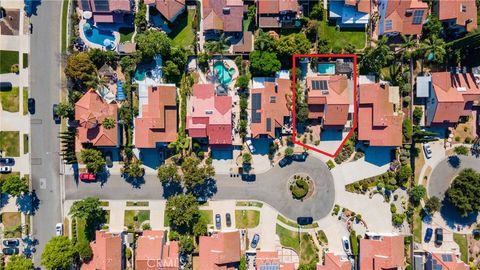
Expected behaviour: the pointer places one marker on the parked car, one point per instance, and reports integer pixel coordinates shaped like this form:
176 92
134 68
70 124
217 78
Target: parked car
255 240
5 169
476 233
304 220
438 236
346 245
228 218
11 242
250 146
56 117
427 150
7 161
218 221
300 156
108 159
249 177
59 229
428 235
10 251
285 161
87 177
31 105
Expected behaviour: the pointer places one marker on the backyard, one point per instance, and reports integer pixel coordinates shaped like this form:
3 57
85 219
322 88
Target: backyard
126 34
182 34
10 143
305 248
247 218
10 99
339 38
7 59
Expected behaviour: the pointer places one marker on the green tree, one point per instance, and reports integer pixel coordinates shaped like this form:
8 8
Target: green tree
417 193
302 112
307 266
58 254
407 129
202 60
141 17
316 12
354 242
14 185
19 262
432 28
404 173
461 150
65 109
218 46
247 158
171 72
108 123
296 43
264 63
242 82
265 42
134 169
93 159
187 245
434 50
182 212
89 210
417 115
100 57
432 205
153 42
463 193
168 173
289 151
81 69
84 250
398 218
194 173
375 58
243 264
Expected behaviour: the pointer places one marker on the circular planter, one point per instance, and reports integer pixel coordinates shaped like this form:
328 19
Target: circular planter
301 186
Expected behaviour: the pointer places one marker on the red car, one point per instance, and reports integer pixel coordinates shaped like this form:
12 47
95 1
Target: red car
87 177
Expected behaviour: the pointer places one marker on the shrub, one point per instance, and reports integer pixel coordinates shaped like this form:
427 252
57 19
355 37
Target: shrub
397 219
14 68
330 164
393 208
128 253
354 242
461 150
146 226
457 138
299 189
468 140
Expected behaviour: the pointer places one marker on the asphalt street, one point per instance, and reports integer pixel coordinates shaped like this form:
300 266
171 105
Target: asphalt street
445 171
270 187
45 59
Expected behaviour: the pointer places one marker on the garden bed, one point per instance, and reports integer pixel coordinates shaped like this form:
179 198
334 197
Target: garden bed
134 218
302 244
301 186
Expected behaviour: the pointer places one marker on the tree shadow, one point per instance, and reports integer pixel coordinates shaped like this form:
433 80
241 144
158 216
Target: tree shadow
205 190
102 177
453 217
136 182
171 188
4 198
28 203
454 161
31 7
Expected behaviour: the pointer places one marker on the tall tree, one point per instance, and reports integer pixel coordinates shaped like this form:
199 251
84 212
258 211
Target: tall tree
182 212
58 254
18 262
265 42
264 63
152 42
89 209
168 173
434 50
108 123
464 191
93 159
375 58
81 69
195 173
65 109
15 185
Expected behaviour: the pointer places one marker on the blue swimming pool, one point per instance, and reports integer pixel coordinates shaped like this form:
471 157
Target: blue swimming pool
96 35
224 74
326 68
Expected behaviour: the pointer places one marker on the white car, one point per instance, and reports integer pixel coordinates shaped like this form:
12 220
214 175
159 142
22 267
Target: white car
59 229
250 146
427 150
5 169
346 245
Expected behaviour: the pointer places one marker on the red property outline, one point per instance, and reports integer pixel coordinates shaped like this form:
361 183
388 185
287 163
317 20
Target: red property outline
294 112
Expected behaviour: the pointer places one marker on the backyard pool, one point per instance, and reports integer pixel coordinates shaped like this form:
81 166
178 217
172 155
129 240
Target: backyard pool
98 36
326 68
224 74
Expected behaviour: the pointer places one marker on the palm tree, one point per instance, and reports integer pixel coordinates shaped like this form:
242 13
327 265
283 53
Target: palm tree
433 50
218 46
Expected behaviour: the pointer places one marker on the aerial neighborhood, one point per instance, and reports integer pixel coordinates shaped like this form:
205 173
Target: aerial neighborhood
240 134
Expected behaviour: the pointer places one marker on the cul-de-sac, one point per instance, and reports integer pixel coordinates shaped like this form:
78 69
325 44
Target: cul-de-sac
240 134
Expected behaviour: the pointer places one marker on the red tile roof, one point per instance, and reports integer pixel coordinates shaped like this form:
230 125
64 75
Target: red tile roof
168 8
334 262
276 6
384 253
158 120
459 10
333 104
453 91
402 21
209 115
377 122
107 252
224 15
455 264
111 5
275 102
362 5
270 258
218 250
155 252
90 111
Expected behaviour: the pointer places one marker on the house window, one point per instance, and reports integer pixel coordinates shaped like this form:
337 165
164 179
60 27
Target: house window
418 16
273 99
463 8
388 25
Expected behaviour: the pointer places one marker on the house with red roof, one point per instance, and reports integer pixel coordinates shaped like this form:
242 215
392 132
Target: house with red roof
270 260
332 261
350 13
209 115
90 112
445 261
107 252
156 123
221 250
402 17
270 108
459 16
451 96
154 251
222 16
169 9
379 123
107 11
382 251
328 100
275 14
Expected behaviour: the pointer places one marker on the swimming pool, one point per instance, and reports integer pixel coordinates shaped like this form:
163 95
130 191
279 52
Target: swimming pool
224 74
326 68
96 35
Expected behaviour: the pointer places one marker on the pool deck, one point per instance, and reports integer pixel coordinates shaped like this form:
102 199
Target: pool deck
228 63
92 45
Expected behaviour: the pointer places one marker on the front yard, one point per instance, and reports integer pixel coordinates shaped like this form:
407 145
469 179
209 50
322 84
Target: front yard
305 247
134 218
10 99
7 59
247 219
10 143
12 224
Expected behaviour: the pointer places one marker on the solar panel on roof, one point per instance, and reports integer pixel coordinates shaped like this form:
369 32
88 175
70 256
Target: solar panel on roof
319 85
270 267
447 257
269 124
256 105
101 5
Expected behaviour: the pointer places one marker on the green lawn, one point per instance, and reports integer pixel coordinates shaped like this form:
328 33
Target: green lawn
338 38
25 143
7 59
12 223
461 241
247 218
417 227
133 218
25 60
207 215
25 100
10 99
10 143
322 237
249 203
182 34
126 34
294 224
64 24
81 223
306 250
104 203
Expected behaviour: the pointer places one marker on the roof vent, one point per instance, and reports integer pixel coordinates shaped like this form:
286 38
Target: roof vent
461 89
226 10
408 12
208 111
325 92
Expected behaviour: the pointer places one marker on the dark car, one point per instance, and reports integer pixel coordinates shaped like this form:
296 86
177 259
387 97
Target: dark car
304 220
249 177
218 221
438 236
7 161
428 235
10 251
11 242
284 161
108 159
56 117
31 105
255 240
300 157
228 218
